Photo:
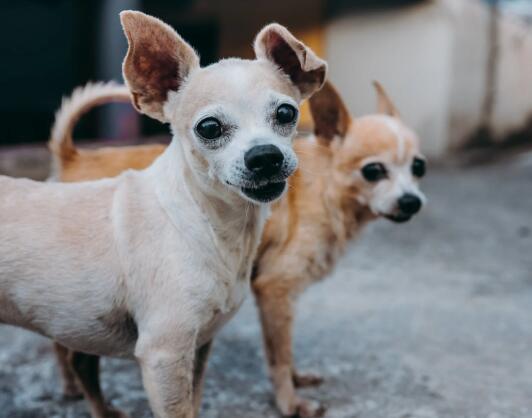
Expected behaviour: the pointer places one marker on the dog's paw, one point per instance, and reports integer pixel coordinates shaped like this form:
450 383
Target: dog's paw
306 408
305 380
303 408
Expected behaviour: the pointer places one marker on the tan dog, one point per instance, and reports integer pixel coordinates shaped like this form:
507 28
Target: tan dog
353 171
150 264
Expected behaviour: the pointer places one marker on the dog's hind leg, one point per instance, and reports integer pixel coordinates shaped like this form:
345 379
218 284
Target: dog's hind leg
86 368
274 300
71 388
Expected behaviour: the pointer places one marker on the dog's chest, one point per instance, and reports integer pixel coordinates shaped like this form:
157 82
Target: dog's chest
220 313
236 252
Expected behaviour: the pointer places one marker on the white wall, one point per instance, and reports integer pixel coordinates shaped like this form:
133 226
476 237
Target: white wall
433 60
513 104
513 81
409 51
470 26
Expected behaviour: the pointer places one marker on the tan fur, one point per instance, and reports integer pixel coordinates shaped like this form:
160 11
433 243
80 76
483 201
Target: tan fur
152 263
105 162
311 226
72 164
309 229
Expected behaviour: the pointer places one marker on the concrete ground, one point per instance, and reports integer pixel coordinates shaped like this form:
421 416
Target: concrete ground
422 320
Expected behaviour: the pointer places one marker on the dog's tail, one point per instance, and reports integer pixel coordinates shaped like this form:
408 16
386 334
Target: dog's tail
72 108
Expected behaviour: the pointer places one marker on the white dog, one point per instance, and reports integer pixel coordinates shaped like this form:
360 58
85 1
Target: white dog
152 263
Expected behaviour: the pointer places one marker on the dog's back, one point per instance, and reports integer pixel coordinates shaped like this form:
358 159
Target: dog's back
70 164
39 233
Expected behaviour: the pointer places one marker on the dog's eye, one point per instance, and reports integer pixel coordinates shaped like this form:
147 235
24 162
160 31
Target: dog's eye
285 114
374 171
418 167
209 128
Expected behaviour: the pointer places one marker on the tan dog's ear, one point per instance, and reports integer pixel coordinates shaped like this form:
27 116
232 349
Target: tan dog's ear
157 61
276 44
384 103
330 114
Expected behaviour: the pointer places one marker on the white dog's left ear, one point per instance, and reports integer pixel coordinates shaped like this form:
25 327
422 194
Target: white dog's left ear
304 68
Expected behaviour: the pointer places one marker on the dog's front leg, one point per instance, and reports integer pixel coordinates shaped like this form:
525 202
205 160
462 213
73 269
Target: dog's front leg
167 365
274 300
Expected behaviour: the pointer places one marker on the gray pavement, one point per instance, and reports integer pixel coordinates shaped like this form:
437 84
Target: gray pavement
423 320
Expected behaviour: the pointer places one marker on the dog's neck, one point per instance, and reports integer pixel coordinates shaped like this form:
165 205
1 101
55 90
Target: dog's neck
346 214
235 225
342 204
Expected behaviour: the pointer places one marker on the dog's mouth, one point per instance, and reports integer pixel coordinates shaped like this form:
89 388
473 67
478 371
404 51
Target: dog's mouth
399 217
266 193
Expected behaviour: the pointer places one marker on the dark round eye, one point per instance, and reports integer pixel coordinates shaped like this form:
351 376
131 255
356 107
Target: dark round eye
209 128
374 171
418 167
286 114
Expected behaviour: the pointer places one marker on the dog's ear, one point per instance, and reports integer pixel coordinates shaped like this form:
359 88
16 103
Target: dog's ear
329 112
384 103
306 70
157 62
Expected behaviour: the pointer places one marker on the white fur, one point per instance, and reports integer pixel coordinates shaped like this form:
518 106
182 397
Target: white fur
148 246
394 126
169 248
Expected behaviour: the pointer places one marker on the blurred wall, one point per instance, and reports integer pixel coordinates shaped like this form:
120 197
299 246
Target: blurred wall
409 50
450 70
513 84
452 73
116 120
469 78
492 73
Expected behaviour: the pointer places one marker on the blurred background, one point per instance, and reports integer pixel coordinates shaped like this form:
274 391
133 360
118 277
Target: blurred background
460 70
431 319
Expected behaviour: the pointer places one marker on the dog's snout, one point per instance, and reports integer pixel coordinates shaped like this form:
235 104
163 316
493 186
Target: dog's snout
409 204
264 160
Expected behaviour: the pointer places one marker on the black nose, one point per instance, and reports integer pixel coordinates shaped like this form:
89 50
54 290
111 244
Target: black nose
264 160
409 204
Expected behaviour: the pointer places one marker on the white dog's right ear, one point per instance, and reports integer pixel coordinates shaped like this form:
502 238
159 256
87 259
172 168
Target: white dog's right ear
306 70
157 61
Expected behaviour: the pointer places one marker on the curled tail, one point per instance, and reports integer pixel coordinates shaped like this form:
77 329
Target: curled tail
72 108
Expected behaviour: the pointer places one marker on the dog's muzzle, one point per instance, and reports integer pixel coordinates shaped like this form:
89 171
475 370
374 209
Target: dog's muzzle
408 204
265 162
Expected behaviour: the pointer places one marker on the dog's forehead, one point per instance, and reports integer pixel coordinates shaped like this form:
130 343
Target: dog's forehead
384 135
236 81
